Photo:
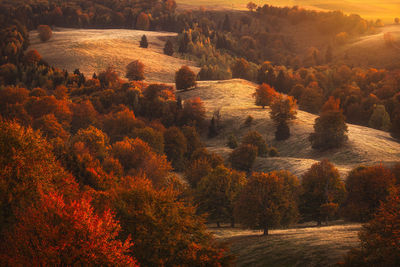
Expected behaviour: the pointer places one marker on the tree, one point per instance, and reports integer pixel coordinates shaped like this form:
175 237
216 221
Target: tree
33 56
135 71
367 187
396 20
380 237
226 25
329 54
185 78
283 110
175 147
169 48
264 95
321 186
50 127
251 6
330 127
94 139
243 157
160 221
196 170
143 42
45 32
254 138
380 119
193 112
217 193
58 232
268 200
143 22
240 69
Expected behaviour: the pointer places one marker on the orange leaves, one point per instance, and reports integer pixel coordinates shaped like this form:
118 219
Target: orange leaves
62 233
264 95
331 105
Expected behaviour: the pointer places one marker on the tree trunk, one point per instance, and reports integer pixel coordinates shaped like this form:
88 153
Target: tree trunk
265 230
218 225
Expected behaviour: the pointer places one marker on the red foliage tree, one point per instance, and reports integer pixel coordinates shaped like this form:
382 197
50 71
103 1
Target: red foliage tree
62 233
45 32
143 22
264 95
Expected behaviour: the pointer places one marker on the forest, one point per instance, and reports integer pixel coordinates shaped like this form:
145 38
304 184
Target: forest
112 170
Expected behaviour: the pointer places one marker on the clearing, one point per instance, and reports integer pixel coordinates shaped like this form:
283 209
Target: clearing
303 246
234 99
94 50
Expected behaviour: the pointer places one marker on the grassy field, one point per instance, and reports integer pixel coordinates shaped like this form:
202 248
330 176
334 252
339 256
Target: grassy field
308 246
234 99
370 9
94 50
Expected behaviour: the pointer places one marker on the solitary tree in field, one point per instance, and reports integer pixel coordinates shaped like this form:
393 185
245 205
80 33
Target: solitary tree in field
330 127
397 20
283 110
135 71
322 188
45 32
169 48
264 95
185 78
143 42
251 6
268 200
217 192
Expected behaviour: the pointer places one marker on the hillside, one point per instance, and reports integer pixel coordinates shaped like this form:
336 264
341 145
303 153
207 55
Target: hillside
372 51
234 99
303 246
94 50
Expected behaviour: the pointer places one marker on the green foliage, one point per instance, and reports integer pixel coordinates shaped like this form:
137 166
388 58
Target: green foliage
380 119
268 200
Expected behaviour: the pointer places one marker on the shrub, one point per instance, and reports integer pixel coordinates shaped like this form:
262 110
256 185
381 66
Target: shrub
185 78
45 32
232 141
135 71
143 42
169 48
273 152
243 157
254 138
249 120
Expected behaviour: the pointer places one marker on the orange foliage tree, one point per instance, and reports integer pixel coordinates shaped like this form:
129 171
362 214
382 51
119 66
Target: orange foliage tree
367 187
135 71
264 95
185 78
45 32
283 110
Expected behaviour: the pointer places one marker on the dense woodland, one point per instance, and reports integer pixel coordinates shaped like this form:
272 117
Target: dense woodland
105 171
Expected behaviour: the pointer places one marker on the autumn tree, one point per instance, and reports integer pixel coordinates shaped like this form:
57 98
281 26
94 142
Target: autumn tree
50 127
32 56
217 193
160 221
240 68
143 22
251 6
283 110
45 32
185 78
143 42
397 20
330 127
57 232
254 138
321 186
94 139
243 157
193 112
268 200
367 187
135 71
175 147
380 237
169 48
264 95
311 98
380 119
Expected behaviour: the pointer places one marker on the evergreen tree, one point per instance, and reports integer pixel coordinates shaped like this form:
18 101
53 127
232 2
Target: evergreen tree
169 48
143 42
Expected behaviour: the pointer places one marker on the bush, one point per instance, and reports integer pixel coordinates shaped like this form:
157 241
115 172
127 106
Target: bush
143 42
273 152
169 48
254 138
135 71
45 32
232 141
243 157
185 78
248 121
